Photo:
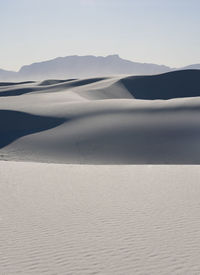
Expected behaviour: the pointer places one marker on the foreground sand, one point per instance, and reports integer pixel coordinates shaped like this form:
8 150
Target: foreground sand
73 219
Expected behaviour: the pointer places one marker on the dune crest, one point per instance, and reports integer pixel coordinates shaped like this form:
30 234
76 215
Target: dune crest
103 120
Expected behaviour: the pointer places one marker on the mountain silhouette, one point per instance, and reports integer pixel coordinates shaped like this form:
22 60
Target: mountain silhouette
80 67
85 66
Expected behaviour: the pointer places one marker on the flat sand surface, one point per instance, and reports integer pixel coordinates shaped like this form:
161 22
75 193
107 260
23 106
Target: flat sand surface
86 219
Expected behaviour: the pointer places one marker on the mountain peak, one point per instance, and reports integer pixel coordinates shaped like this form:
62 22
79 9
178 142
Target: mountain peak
113 56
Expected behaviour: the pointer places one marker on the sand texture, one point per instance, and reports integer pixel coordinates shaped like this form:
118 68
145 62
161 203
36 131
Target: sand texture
79 219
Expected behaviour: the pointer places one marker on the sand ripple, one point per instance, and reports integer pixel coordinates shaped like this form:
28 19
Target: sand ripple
64 219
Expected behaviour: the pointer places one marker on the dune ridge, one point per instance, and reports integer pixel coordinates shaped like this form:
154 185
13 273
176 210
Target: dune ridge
105 120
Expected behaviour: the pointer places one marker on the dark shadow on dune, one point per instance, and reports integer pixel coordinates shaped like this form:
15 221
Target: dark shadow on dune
177 84
15 83
54 81
16 92
14 124
44 86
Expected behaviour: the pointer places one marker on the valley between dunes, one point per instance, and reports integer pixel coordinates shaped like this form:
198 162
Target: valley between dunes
113 120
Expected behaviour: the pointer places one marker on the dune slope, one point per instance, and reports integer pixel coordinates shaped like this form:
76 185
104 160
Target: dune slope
177 84
103 120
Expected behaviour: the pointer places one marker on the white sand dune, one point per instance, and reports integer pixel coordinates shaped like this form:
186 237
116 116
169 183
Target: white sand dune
59 218
103 120
80 219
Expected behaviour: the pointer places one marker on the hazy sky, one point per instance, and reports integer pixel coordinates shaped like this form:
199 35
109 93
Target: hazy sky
157 31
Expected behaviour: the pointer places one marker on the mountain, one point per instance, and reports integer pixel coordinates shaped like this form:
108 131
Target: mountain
80 67
8 75
192 67
85 66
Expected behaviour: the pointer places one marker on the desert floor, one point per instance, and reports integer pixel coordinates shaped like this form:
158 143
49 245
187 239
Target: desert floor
90 219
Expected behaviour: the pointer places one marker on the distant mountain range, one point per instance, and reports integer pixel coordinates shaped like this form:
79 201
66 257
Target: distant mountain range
85 66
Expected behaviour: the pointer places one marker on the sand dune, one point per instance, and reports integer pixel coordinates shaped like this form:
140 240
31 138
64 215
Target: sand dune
103 120
177 84
95 219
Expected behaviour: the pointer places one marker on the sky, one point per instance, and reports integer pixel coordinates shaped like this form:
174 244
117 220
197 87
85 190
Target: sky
154 31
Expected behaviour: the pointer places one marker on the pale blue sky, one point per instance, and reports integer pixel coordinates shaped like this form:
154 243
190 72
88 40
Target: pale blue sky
156 31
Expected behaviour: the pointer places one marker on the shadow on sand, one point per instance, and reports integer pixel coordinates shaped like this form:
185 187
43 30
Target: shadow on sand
14 124
177 84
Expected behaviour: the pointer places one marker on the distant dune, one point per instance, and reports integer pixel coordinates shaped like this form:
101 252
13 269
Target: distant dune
178 84
103 120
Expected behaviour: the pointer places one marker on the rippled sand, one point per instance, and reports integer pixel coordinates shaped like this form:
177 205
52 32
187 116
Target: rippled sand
73 219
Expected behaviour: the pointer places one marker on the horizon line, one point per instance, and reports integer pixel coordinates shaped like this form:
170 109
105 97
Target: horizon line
93 55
